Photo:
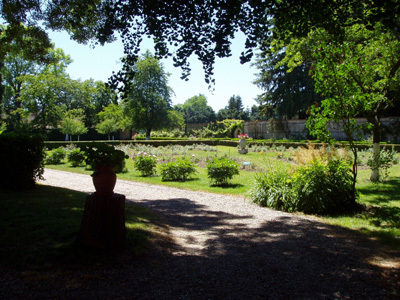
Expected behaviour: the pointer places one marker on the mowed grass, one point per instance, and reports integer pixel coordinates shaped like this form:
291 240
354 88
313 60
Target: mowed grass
380 219
40 226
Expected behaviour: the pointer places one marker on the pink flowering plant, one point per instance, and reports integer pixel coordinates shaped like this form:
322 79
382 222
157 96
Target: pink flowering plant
243 136
145 163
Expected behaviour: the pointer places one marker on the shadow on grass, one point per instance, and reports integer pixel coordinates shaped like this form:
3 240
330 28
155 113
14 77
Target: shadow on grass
40 226
228 185
384 192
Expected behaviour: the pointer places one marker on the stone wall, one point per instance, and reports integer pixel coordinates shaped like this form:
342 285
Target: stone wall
296 129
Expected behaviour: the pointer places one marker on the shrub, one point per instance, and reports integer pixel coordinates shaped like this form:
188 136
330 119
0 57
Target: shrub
102 154
324 188
274 189
221 170
383 162
145 163
55 156
319 187
76 157
22 157
178 170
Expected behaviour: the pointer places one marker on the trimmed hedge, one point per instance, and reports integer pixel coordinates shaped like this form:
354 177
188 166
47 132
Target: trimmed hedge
216 142
22 158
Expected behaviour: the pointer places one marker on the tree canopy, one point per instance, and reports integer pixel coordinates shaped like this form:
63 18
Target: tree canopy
204 28
149 95
196 110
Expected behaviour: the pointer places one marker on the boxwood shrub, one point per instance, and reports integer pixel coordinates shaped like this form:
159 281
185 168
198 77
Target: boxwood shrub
178 170
221 169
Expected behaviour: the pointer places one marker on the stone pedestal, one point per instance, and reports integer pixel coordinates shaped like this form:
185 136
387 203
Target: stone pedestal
103 222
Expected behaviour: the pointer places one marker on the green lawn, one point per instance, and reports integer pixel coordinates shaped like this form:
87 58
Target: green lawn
380 219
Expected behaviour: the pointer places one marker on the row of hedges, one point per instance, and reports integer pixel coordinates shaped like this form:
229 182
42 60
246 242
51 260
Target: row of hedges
213 142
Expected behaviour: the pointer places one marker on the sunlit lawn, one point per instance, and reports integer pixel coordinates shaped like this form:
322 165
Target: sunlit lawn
381 219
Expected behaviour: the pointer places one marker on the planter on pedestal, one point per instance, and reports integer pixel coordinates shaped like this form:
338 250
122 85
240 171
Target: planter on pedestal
242 146
104 179
103 221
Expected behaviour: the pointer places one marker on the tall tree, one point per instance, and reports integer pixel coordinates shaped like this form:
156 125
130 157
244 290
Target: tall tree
111 119
73 124
234 110
46 94
288 91
196 110
204 28
357 78
27 42
150 96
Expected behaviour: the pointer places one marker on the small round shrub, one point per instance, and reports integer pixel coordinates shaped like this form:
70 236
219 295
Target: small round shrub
178 170
145 163
55 156
221 169
76 157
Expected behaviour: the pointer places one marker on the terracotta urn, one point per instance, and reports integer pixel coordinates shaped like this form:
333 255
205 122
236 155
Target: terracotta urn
104 180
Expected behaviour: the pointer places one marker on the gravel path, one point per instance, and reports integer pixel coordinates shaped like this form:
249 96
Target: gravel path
223 247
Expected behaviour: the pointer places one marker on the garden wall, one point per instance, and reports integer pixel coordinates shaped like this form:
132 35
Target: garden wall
296 129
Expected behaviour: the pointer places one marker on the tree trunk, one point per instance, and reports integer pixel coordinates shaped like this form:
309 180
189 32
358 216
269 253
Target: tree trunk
375 169
103 222
376 138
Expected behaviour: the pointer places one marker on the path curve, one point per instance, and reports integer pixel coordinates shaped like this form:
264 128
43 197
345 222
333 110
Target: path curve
228 248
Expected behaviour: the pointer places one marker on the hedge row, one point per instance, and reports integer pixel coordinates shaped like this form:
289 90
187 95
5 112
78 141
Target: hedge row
213 142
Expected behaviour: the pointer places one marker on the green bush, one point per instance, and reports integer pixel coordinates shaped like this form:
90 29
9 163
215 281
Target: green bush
383 162
55 156
22 159
145 163
178 170
76 157
274 189
319 187
324 188
102 154
221 169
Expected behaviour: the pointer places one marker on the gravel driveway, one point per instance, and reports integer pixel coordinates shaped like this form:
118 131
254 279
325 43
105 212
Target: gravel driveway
224 247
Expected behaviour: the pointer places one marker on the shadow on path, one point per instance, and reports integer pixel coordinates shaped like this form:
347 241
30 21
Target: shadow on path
277 258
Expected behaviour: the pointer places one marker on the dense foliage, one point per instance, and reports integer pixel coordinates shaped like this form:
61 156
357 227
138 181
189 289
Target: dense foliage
149 96
145 163
102 154
76 157
287 93
322 184
55 156
221 169
22 160
177 170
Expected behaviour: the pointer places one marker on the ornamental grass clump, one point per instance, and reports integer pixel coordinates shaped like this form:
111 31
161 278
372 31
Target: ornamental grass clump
321 184
221 169
145 163
274 189
178 170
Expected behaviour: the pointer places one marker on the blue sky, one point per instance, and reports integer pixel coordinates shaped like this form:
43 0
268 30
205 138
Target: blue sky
232 78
